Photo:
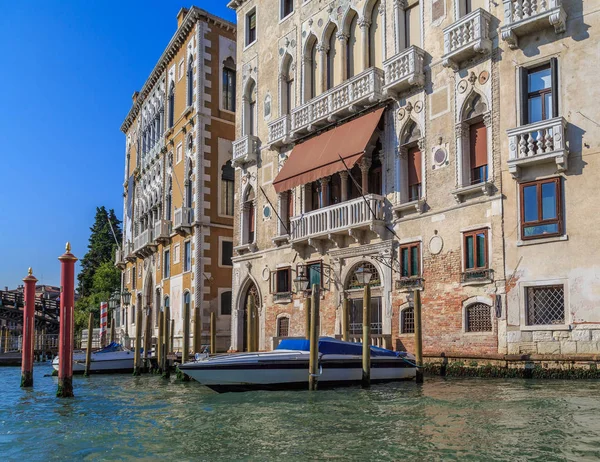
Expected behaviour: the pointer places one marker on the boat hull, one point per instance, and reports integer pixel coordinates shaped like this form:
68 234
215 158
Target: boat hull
251 372
102 363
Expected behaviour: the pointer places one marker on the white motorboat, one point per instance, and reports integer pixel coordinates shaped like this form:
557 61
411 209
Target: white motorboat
340 363
112 358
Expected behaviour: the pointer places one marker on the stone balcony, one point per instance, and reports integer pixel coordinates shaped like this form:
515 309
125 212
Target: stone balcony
184 217
404 70
143 243
467 38
153 153
162 230
334 223
523 17
120 261
279 131
537 143
347 98
245 150
128 251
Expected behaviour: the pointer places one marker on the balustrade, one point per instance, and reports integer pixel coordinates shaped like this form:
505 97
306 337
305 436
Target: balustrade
184 217
466 38
162 230
245 150
523 17
279 131
404 70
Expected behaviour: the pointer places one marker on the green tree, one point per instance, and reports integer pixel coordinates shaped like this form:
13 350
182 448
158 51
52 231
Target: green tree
101 248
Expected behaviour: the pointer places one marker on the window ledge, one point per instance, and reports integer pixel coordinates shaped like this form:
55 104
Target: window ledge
542 240
279 240
249 45
460 194
479 334
188 110
478 282
547 327
417 205
241 249
169 132
286 17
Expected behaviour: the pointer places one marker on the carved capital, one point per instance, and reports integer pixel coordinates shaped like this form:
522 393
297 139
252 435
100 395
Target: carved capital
365 164
364 23
322 48
342 37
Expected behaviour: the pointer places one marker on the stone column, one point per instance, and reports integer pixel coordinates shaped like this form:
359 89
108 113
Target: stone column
343 62
344 182
462 131
322 49
324 191
399 7
364 25
365 165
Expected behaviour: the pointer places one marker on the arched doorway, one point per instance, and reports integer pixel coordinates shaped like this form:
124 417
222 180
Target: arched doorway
354 292
251 291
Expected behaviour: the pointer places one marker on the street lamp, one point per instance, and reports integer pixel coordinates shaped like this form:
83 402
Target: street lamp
301 282
126 296
363 275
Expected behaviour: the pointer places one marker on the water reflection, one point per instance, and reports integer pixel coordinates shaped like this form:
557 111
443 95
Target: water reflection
124 417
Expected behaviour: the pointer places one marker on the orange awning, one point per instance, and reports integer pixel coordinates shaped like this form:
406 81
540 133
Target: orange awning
319 157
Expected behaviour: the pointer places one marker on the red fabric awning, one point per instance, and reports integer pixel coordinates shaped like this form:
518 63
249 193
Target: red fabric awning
319 157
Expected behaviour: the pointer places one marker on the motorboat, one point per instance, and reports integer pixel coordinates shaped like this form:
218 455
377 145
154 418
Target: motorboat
112 358
286 367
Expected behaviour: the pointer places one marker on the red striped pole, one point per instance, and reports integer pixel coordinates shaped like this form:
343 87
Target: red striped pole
103 323
65 346
28 331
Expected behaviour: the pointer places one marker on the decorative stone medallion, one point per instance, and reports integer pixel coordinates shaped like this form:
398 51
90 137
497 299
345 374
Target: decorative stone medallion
436 243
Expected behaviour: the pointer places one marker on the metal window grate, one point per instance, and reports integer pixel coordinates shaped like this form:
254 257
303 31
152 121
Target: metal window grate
479 318
545 305
283 327
407 321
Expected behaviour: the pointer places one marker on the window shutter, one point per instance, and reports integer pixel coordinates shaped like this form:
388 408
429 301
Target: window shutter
554 77
478 145
414 166
524 99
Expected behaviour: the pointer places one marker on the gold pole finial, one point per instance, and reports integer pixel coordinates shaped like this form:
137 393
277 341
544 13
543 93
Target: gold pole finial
30 272
68 247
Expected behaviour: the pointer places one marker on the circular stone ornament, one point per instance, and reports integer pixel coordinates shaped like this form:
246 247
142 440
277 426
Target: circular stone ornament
462 86
484 77
436 243
266 273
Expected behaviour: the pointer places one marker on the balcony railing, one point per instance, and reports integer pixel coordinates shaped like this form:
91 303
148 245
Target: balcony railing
404 70
363 89
142 241
338 218
522 17
378 340
120 258
245 150
128 251
466 38
481 275
536 143
162 230
184 217
279 131
153 153
406 283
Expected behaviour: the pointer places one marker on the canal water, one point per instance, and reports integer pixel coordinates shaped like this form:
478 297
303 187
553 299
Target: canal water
122 418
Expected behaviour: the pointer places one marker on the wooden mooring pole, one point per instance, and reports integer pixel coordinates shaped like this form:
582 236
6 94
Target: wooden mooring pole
148 330
112 330
185 351
160 342
345 320
88 351
166 373
67 304
418 336
213 333
197 330
366 354
1 338
28 331
313 365
137 359
172 334
307 319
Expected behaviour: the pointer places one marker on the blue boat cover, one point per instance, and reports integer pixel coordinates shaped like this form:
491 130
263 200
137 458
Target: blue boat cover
111 347
332 346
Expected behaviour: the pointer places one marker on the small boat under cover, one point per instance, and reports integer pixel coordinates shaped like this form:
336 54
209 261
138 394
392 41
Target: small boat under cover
340 364
113 358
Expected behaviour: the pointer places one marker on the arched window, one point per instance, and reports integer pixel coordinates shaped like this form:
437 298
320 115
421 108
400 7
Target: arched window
286 80
157 307
188 186
226 303
187 302
190 82
375 41
352 48
411 163
365 266
229 85
167 303
169 199
283 326
407 320
250 115
310 69
478 318
171 105
332 58
376 171
249 218
355 296
472 142
227 188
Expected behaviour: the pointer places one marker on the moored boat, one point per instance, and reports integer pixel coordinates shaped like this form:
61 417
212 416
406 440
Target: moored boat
113 358
340 364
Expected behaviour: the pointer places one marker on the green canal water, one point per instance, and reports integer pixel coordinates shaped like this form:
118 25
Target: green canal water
122 418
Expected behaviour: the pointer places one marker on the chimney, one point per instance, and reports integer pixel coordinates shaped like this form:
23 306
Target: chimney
134 96
180 16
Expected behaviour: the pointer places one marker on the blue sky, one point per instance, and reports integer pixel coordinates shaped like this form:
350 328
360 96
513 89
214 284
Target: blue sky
69 68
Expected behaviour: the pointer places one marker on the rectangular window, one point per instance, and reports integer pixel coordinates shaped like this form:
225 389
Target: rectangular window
134 282
178 153
226 303
287 8
475 248
539 93
478 152
227 189
251 27
229 89
187 256
412 26
283 327
356 316
314 274
176 254
410 260
545 305
226 253
407 321
541 208
281 281
181 69
414 174
167 265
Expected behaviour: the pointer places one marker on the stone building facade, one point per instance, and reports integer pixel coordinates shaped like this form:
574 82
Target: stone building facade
388 135
178 189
